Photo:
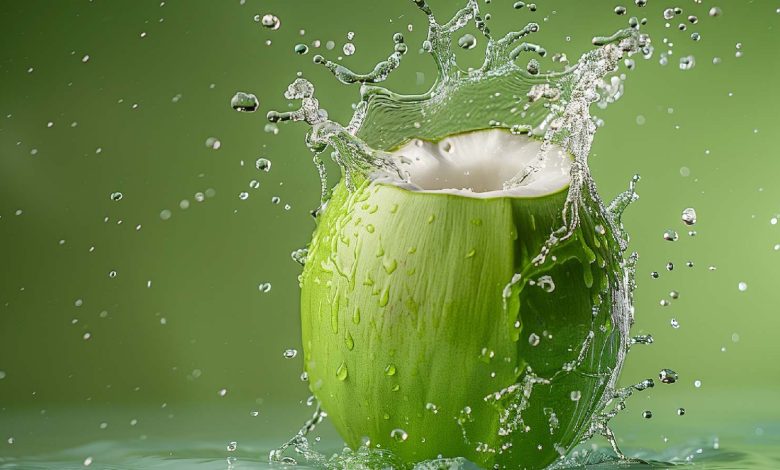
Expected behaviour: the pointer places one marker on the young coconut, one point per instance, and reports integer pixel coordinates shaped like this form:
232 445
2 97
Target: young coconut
429 329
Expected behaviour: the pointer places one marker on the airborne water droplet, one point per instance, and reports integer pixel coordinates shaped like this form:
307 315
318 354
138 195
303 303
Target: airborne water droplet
244 102
263 164
269 21
687 62
467 41
290 353
667 376
670 236
688 216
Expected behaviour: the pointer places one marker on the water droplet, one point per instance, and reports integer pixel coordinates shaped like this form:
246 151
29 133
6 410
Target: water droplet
675 324
575 395
399 435
688 216
671 236
467 41
264 287
112 274
670 266
647 414
243 195
674 294
687 63
654 274
244 102
742 286
667 376
263 164
254 184
668 14
116 196
232 446
432 408
680 411
88 461
697 383
269 21
348 48
222 392
290 353
533 339
299 255
213 143
642 339
349 342
301 49
2 374
620 10
715 11
341 372
390 370
640 3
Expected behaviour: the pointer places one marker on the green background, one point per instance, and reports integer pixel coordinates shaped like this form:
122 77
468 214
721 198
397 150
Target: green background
705 138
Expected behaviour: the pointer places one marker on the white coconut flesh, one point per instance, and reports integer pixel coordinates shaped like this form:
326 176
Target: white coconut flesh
478 164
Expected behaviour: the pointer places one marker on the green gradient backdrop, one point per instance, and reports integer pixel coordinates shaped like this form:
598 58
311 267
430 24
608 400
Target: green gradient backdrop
206 262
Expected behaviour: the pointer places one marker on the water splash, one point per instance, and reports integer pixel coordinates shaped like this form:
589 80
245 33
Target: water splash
554 107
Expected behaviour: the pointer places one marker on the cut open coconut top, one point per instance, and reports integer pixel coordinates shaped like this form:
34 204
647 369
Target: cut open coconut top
477 164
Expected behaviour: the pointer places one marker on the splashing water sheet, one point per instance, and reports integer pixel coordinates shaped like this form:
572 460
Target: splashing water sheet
466 297
553 109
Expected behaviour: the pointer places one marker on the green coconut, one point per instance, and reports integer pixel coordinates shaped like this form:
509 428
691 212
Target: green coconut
429 330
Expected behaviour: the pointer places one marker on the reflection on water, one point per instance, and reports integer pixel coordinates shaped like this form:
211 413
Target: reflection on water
179 437
201 455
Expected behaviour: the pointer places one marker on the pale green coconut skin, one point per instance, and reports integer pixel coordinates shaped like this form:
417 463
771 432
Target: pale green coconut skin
413 282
